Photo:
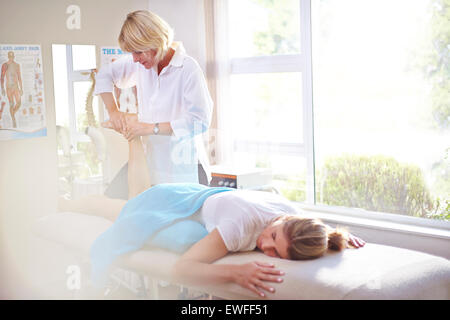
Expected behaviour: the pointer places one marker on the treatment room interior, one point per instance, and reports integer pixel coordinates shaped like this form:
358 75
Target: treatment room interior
341 106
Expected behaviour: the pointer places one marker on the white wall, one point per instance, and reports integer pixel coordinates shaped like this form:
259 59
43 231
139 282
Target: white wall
28 168
28 175
187 19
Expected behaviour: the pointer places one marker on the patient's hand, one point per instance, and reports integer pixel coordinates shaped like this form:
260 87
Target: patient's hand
255 275
355 241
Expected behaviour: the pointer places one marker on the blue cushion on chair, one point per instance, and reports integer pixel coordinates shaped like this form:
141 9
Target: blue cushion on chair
179 237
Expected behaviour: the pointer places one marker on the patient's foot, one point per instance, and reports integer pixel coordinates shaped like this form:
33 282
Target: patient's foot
129 118
107 124
64 204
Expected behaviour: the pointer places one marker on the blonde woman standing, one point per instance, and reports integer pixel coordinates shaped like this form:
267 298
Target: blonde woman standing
175 106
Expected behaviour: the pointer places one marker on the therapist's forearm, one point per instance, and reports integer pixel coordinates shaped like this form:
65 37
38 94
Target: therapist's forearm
164 129
109 101
136 129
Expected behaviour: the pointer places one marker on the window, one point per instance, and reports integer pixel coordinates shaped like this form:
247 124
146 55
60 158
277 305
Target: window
264 27
381 105
377 135
266 88
76 109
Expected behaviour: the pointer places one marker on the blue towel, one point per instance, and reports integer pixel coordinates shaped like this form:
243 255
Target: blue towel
142 217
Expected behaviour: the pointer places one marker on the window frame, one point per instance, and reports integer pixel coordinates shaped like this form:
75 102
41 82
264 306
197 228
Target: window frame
302 62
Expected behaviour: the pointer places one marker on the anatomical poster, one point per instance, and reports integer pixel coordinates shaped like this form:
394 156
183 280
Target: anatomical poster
126 99
22 103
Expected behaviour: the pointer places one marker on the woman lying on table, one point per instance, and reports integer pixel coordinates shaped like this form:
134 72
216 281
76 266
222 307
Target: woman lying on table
234 219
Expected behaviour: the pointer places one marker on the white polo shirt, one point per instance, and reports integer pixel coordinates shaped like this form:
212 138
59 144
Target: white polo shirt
178 95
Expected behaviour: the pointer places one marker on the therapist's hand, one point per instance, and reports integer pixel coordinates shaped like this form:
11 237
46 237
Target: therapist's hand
118 121
134 128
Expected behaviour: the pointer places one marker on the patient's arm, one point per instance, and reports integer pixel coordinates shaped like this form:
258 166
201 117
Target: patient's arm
195 267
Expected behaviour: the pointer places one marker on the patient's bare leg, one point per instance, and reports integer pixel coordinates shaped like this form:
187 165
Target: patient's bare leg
98 205
138 175
138 181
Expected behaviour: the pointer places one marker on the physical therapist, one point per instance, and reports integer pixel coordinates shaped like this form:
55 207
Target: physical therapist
175 106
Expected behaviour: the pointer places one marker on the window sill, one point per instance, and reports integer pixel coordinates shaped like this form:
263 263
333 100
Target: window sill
386 222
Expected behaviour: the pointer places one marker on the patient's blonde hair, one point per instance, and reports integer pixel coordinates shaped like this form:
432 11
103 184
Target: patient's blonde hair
143 30
310 238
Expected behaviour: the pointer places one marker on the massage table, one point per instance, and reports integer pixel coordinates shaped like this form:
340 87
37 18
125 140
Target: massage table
372 272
